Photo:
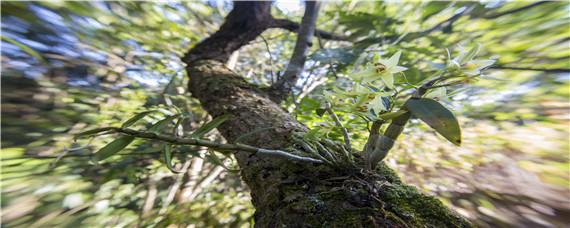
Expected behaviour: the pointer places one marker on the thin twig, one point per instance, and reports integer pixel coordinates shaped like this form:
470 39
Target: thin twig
338 124
322 46
296 104
270 57
65 150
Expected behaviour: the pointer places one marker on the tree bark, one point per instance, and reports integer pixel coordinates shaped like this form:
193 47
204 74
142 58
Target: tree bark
285 192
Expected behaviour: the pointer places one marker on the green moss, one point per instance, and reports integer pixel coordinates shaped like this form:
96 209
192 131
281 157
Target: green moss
344 197
410 204
389 173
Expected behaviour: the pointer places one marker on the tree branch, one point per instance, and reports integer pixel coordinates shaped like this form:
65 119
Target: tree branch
294 27
213 145
244 23
278 91
532 69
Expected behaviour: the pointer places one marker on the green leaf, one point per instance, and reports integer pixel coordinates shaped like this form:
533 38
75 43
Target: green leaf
135 118
177 125
217 159
113 147
321 112
177 109
251 133
158 126
92 132
436 116
313 134
209 126
392 115
168 158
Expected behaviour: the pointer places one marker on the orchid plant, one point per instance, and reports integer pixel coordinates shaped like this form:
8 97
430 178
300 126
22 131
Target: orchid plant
373 94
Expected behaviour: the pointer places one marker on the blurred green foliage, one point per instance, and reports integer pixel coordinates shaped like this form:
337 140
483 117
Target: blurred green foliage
105 61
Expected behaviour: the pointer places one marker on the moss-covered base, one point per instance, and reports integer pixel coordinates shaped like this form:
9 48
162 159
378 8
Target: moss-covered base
302 195
417 209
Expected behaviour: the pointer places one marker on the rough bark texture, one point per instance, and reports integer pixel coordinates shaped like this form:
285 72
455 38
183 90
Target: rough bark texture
287 193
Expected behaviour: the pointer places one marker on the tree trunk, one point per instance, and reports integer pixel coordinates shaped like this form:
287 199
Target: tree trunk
285 192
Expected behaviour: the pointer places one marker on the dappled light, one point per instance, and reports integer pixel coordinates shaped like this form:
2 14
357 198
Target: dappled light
115 67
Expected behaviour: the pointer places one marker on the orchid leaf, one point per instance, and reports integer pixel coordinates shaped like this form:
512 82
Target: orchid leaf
251 133
437 117
158 126
392 115
313 134
217 159
135 118
113 147
209 126
92 132
168 157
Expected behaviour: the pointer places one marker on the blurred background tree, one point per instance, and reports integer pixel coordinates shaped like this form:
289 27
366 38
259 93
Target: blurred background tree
74 66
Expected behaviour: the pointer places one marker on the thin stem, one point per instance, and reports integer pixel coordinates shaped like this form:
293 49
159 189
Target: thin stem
296 104
376 125
452 83
407 82
393 100
65 150
338 124
270 57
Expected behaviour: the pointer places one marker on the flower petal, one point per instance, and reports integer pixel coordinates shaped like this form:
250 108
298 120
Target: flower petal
360 75
461 55
388 80
471 72
472 53
480 64
393 61
453 65
397 69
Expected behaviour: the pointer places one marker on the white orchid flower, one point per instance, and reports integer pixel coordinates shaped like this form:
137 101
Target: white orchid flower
383 69
335 99
464 62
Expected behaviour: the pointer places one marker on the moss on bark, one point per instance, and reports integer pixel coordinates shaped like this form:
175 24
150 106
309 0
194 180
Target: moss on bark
302 195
